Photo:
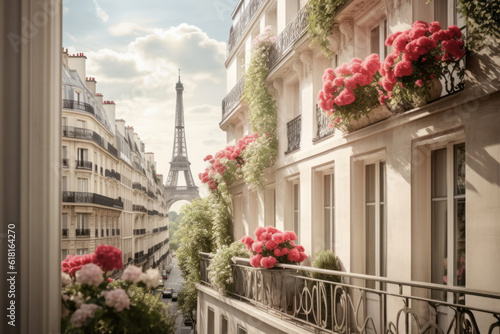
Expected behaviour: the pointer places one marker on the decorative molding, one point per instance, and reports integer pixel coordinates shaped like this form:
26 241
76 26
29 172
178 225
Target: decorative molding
307 60
298 68
346 27
278 86
334 39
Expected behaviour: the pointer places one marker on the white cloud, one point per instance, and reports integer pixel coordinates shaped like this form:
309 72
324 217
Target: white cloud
101 13
128 28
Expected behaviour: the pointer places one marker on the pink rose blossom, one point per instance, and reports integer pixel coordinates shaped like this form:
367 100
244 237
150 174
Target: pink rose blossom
278 238
268 262
271 245
257 246
291 235
255 260
293 255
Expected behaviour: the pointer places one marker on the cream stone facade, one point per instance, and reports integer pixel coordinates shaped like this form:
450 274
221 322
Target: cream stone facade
411 198
111 193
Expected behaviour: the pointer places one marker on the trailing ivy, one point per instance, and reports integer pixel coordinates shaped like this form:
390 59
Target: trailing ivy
320 22
262 112
220 270
195 231
483 20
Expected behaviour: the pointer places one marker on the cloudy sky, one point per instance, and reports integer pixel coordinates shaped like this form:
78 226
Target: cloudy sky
134 49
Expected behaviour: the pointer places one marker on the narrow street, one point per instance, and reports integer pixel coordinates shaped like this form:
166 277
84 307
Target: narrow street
175 281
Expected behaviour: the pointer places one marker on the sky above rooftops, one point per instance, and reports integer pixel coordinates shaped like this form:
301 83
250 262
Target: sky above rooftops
134 49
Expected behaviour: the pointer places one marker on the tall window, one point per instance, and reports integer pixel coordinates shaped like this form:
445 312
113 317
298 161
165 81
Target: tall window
270 207
82 154
375 220
378 35
82 251
224 325
64 221
448 256
82 221
211 322
83 184
328 211
296 210
81 124
64 183
64 253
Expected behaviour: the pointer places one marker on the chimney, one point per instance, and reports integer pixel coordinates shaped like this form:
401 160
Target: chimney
160 178
130 132
109 108
91 83
120 126
150 156
65 57
143 147
77 62
99 98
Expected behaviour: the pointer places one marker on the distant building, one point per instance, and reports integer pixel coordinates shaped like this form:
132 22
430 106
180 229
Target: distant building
111 192
412 198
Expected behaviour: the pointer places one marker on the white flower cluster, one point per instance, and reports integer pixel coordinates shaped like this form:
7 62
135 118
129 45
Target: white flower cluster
81 315
90 274
150 278
132 274
117 298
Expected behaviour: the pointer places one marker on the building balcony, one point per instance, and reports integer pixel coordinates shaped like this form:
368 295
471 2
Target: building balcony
341 302
91 198
77 105
82 232
245 18
65 232
322 121
287 38
232 98
81 133
81 164
139 208
65 162
293 134
139 231
136 185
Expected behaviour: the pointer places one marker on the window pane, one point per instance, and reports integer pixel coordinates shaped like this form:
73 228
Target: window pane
326 186
438 178
211 323
375 40
460 242
382 182
370 183
460 169
370 243
224 325
326 223
383 242
439 244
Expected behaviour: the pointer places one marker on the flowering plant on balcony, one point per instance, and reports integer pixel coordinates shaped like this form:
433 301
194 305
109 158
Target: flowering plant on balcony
272 246
93 303
350 91
420 54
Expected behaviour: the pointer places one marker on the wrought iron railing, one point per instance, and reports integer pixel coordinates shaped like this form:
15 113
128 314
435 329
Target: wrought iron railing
65 162
233 97
293 134
284 42
65 232
140 208
245 18
81 164
341 302
82 232
84 197
77 105
81 133
136 185
139 231
322 121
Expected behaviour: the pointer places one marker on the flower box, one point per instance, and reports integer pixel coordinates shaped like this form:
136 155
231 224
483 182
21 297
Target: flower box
376 114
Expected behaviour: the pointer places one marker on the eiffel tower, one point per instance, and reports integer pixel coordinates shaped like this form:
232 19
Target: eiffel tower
180 162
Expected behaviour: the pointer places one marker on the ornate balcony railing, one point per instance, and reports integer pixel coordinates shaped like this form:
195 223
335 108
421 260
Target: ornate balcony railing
139 231
77 105
245 18
65 162
233 98
341 302
284 42
84 197
117 231
140 208
82 232
81 133
81 164
322 121
65 232
293 134
136 185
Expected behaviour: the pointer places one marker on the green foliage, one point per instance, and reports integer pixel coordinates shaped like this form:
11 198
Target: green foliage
320 22
195 232
219 271
173 227
483 18
188 300
221 205
326 259
262 114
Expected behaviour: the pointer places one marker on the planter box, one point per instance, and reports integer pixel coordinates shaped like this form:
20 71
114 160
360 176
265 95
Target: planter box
376 114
